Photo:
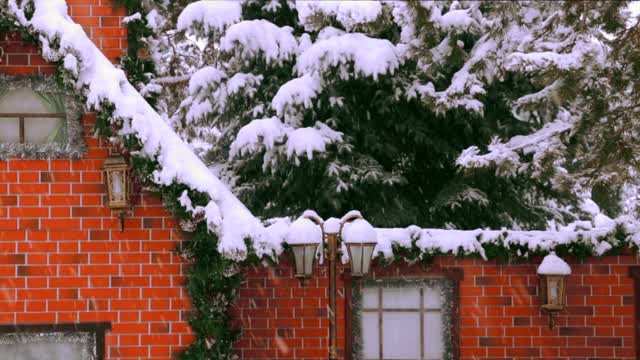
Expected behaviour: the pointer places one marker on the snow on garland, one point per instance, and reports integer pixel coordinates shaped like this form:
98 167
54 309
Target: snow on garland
106 86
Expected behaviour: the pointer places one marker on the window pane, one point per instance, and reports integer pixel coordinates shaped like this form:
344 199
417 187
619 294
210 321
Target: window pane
401 298
43 130
24 101
370 298
432 298
48 346
42 351
370 345
9 130
433 335
401 335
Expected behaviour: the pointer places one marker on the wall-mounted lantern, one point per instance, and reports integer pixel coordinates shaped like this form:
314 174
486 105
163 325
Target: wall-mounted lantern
553 272
118 182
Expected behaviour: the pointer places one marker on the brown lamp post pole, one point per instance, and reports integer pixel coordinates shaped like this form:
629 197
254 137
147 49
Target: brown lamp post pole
332 239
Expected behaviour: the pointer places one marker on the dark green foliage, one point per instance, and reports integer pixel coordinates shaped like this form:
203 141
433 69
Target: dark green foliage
401 140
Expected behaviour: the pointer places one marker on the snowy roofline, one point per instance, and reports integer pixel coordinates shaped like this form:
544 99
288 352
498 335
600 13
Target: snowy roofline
102 83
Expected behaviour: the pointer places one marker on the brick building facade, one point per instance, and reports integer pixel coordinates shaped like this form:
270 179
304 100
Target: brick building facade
64 260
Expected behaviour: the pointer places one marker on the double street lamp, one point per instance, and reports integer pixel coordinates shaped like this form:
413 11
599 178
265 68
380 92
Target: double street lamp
310 232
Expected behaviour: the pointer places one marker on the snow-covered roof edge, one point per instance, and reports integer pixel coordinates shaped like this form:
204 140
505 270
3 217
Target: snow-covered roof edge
102 83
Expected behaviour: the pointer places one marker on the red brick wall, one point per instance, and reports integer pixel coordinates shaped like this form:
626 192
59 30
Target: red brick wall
499 311
100 20
63 258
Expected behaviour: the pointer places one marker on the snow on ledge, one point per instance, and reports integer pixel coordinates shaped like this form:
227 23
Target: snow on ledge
553 265
102 83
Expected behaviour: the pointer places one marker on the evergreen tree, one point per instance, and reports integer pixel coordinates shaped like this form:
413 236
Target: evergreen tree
392 108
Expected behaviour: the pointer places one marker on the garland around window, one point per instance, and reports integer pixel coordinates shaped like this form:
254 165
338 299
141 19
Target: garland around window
73 146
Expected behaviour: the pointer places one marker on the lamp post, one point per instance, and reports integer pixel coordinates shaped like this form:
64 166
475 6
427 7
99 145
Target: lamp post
309 231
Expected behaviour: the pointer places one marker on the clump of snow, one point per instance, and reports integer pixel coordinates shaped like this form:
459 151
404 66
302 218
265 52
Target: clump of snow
258 134
205 86
249 82
304 231
296 92
369 56
353 13
329 32
457 19
351 214
533 61
253 38
155 21
359 231
71 64
130 18
603 221
332 225
553 265
309 140
505 155
348 13
212 15
204 77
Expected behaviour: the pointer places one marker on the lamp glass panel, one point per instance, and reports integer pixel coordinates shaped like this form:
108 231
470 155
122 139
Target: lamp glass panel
117 184
310 253
355 251
367 253
553 290
298 256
